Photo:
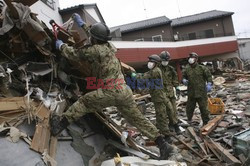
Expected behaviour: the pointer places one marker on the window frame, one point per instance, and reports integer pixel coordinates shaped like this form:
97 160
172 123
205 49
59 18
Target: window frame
49 4
190 37
138 40
155 36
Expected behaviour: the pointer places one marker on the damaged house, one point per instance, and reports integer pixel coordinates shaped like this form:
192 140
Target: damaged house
210 34
37 82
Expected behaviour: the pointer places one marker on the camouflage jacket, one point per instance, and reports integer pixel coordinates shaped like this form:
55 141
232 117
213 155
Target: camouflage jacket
197 77
153 79
101 57
170 79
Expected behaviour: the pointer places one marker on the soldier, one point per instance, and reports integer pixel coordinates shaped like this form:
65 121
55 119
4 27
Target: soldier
170 80
105 66
199 81
156 90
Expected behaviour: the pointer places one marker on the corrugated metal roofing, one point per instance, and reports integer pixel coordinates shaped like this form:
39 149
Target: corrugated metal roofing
142 24
199 17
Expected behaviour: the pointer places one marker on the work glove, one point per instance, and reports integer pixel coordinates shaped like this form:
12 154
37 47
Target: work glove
178 91
165 148
59 44
133 75
77 18
209 87
185 81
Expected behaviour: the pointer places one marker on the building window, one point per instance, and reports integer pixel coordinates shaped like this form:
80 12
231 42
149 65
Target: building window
242 44
50 3
209 33
157 38
206 33
141 39
192 36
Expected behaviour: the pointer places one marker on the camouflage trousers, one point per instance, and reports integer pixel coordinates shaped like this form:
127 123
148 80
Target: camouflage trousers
202 102
122 99
162 117
171 110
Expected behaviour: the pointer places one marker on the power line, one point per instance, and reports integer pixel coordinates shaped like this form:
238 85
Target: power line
177 1
145 10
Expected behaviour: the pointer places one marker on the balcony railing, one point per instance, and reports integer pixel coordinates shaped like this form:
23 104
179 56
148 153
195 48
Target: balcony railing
164 39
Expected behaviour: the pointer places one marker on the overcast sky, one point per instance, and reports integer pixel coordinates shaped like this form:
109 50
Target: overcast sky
118 12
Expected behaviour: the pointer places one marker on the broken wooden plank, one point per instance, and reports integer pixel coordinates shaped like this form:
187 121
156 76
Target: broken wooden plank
10 112
129 150
212 149
41 138
223 153
36 138
189 147
197 139
212 124
146 151
114 128
53 147
13 103
41 111
40 141
11 117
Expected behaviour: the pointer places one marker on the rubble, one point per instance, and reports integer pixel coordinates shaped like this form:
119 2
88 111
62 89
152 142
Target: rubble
37 82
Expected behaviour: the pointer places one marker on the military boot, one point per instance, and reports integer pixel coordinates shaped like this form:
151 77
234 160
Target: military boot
189 122
177 129
204 123
168 139
57 124
165 148
171 127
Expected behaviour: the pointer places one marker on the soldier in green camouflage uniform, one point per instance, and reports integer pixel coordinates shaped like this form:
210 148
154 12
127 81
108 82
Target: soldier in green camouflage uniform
105 66
158 96
170 80
199 81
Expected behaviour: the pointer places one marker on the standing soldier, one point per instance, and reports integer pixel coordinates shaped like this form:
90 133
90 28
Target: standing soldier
105 66
158 97
199 81
170 80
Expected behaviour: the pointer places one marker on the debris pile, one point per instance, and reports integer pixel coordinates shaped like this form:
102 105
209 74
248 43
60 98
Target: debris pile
218 142
35 81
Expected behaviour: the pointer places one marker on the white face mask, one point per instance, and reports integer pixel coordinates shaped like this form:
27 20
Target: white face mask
191 60
151 65
164 63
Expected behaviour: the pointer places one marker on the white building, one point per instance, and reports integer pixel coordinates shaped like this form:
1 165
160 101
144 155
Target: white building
47 10
244 48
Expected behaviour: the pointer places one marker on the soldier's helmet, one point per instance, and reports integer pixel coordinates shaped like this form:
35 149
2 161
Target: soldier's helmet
154 58
193 55
100 32
165 55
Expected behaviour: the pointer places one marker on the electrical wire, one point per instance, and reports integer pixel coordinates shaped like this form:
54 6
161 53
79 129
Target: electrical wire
178 5
145 9
52 73
8 57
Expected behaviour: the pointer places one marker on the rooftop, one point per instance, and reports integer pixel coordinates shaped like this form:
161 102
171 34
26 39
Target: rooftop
142 24
77 7
200 17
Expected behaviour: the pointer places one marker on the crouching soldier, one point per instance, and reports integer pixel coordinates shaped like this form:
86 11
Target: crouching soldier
105 66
